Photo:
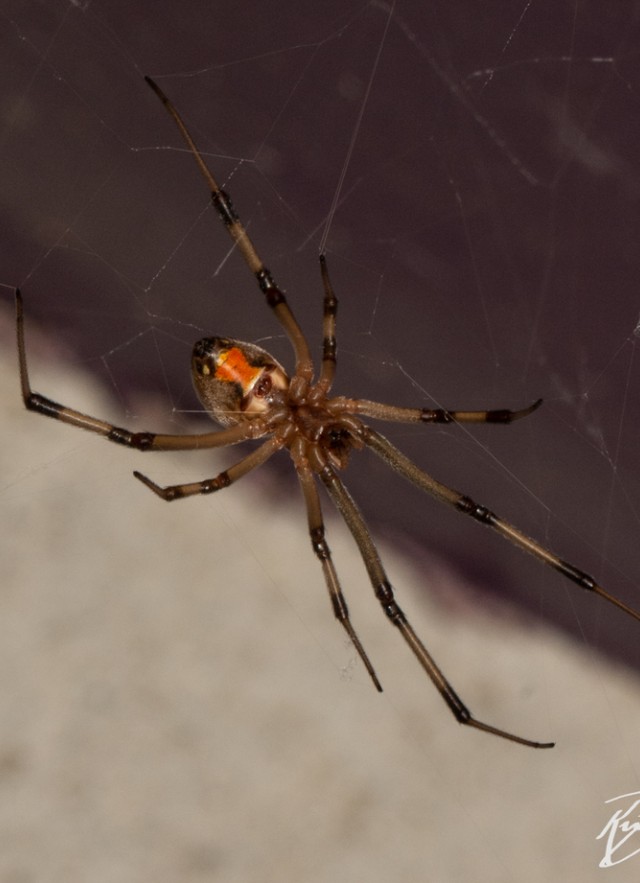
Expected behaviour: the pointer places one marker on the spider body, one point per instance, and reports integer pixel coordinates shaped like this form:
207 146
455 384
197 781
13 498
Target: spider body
252 397
240 382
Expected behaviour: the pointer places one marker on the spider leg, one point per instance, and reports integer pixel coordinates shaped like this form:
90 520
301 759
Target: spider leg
329 347
142 441
222 203
224 479
384 593
405 467
321 548
392 413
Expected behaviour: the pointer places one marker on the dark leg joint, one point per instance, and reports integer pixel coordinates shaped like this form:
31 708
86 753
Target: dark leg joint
329 351
340 609
36 402
319 544
170 493
578 576
269 288
469 507
461 712
215 484
394 613
140 440
436 415
224 208
384 594
500 416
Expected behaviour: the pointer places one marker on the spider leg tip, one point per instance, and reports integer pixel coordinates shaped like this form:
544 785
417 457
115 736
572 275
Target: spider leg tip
532 407
152 83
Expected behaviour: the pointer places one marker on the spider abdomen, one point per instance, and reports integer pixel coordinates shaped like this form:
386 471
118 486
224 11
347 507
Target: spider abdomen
235 380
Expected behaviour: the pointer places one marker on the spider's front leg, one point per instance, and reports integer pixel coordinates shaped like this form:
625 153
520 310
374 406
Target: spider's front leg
274 297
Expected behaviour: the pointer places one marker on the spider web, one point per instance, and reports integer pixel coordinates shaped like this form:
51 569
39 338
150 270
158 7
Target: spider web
474 175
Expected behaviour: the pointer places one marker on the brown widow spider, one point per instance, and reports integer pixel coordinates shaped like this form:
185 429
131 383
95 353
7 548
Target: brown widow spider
250 394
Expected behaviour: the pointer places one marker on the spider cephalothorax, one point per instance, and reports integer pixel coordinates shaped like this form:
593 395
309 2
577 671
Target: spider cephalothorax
250 394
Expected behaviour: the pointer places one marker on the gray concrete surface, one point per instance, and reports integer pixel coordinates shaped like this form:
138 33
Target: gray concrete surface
177 703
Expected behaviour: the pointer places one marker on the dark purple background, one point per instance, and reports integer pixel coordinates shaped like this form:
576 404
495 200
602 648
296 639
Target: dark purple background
485 249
